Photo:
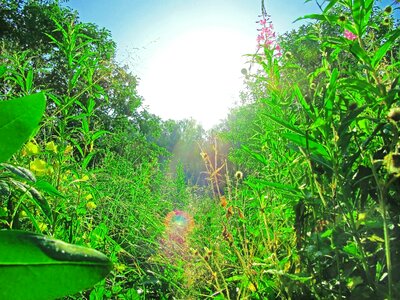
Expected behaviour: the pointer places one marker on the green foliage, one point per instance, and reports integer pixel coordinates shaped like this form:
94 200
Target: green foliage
333 139
303 174
44 268
17 123
34 264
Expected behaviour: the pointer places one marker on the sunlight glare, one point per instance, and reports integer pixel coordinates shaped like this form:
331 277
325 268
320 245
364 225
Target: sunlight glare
196 75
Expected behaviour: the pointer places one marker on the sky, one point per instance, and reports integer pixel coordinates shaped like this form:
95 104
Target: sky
188 54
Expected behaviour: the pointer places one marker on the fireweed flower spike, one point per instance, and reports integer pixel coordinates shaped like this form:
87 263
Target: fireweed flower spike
267 37
349 35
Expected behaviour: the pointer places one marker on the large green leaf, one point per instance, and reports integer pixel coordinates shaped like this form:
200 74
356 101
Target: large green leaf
385 48
18 119
285 124
307 143
255 155
328 18
307 108
331 94
33 266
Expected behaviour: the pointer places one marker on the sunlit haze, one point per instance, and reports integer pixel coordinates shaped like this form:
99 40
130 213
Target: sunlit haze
187 54
196 75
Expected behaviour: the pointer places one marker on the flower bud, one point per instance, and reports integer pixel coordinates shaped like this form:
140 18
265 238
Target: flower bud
388 10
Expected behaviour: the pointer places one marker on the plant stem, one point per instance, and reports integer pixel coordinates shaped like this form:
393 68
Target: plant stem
383 211
387 250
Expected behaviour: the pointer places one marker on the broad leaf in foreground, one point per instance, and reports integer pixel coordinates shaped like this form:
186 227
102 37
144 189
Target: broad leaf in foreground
33 266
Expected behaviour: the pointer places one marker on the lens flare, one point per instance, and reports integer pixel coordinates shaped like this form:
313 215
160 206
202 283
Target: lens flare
178 220
178 224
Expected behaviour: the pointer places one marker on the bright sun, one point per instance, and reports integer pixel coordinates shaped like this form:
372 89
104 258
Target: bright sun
196 75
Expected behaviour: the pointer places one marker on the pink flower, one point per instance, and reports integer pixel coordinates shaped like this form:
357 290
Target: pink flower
267 37
349 35
269 42
278 50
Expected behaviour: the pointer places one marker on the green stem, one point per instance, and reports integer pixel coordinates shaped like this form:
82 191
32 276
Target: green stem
387 250
383 211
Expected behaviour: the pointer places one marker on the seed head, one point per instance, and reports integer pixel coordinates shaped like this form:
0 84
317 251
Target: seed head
394 114
392 163
239 175
229 212
288 55
386 22
204 155
223 201
388 10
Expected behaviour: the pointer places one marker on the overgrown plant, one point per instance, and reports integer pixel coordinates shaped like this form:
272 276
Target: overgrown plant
64 268
344 130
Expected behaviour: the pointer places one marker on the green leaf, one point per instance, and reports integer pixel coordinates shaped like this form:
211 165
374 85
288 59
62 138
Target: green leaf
358 14
90 106
76 76
87 159
45 268
36 197
29 81
236 278
20 172
48 188
360 85
384 48
98 134
277 185
304 103
327 233
18 119
330 94
330 19
285 124
368 6
360 53
306 143
256 155
348 119
3 70
352 250
330 5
